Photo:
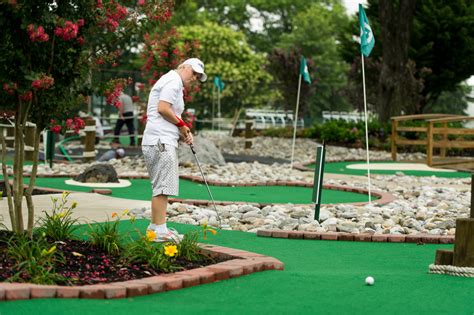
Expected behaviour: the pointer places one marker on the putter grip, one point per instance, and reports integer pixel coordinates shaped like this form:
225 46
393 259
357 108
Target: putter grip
192 148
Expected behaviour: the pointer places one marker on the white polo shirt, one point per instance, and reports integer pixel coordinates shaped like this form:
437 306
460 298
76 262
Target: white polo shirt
168 88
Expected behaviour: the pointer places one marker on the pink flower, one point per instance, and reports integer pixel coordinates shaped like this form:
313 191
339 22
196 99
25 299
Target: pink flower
37 35
80 22
141 2
56 129
36 84
43 83
27 96
68 31
80 40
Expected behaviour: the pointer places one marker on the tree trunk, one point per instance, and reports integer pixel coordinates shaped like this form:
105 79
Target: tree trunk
29 190
21 115
8 188
18 173
396 81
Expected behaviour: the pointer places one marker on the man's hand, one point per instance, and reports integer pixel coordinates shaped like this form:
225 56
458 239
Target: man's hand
186 135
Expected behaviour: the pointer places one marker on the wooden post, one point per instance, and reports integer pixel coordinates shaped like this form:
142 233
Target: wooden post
429 145
442 152
472 196
248 133
464 243
444 257
89 142
10 138
394 139
29 140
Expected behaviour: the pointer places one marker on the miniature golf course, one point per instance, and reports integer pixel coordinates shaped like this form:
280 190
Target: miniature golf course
342 168
141 190
320 277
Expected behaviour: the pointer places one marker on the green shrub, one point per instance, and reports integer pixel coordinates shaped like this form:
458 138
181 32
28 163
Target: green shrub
59 224
34 260
188 247
144 250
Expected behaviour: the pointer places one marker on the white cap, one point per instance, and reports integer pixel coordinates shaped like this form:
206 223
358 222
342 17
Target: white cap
198 66
120 152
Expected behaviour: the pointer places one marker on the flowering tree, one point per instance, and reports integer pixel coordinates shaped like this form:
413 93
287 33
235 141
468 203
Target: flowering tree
49 49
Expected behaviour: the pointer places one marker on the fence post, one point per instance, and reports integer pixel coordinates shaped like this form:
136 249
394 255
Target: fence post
89 140
30 133
442 152
10 138
248 133
394 139
429 144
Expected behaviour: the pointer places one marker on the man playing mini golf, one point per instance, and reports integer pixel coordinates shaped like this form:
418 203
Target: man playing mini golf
163 129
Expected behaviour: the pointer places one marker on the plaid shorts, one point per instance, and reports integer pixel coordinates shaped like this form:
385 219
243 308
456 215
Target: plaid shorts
162 164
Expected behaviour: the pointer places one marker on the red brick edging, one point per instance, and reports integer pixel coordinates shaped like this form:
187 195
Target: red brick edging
359 237
241 263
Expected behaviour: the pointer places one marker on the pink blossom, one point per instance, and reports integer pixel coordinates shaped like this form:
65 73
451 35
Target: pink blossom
56 129
27 96
36 84
141 2
38 34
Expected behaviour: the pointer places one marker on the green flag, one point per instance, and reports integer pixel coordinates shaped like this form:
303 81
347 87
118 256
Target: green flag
219 83
367 39
304 70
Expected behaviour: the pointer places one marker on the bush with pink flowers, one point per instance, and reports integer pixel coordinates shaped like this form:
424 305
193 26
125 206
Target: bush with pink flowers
49 50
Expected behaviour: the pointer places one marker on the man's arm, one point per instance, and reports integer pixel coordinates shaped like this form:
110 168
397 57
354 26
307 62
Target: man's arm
164 108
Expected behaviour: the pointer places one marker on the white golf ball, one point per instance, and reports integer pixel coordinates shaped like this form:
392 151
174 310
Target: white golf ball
369 281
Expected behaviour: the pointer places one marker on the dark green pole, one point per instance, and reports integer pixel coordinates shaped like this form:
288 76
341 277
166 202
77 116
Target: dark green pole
50 147
318 179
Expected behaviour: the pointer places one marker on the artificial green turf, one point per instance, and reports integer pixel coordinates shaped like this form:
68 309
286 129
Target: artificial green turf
320 277
341 168
141 190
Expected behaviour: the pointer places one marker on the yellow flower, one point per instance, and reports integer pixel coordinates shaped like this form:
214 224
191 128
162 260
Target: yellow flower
45 252
214 232
74 205
150 235
52 249
114 214
62 214
125 212
171 250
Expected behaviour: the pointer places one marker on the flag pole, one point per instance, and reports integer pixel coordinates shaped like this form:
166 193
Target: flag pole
295 120
366 130
213 106
219 108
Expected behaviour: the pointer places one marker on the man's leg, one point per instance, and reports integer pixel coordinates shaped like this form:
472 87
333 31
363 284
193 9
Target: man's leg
118 127
130 126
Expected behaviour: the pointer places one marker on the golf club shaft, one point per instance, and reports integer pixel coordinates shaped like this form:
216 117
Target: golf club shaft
205 181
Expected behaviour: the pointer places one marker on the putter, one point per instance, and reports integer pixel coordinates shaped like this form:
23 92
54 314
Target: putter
207 186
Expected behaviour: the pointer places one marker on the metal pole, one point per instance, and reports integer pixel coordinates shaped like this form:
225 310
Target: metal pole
219 108
366 130
295 121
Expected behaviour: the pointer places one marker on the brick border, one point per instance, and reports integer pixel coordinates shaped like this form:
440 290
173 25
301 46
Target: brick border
360 237
384 197
240 263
